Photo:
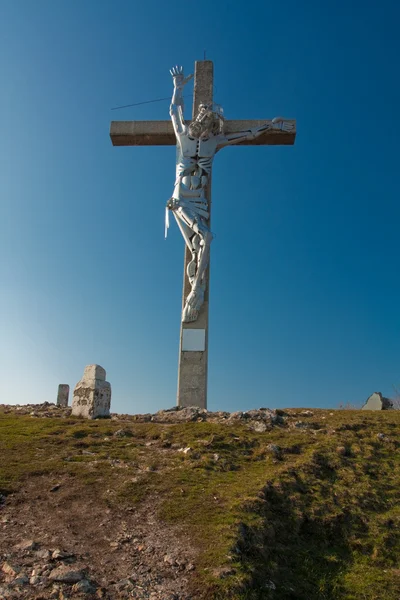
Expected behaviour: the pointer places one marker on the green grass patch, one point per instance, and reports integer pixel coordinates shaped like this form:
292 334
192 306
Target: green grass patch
320 520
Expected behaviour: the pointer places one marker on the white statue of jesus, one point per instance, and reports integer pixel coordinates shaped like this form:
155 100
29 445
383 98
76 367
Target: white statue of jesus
197 144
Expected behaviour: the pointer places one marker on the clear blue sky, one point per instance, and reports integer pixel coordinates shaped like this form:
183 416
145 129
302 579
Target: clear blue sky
305 284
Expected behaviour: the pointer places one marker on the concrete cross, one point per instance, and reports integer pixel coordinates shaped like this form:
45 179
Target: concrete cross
193 351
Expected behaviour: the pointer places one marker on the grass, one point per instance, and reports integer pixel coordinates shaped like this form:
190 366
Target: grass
320 520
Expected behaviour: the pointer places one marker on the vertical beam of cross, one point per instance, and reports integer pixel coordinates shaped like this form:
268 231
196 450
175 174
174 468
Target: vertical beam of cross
193 349
193 364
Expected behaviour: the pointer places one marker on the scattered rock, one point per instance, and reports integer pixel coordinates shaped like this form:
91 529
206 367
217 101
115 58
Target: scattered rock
269 585
83 587
125 585
42 554
306 413
277 419
275 450
10 570
301 425
123 433
65 574
169 560
223 572
20 581
58 554
259 426
26 545
344 450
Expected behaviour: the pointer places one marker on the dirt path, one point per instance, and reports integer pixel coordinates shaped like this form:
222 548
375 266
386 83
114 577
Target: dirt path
120 553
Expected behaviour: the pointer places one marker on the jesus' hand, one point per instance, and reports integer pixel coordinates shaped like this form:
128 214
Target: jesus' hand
179 78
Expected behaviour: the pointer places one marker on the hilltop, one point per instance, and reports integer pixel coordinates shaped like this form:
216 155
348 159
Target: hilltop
185 504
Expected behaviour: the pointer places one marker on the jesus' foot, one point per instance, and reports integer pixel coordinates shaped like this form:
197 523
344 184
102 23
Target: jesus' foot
193 304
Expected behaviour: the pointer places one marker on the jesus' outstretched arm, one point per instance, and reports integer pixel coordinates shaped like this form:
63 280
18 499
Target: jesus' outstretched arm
278 123
177 106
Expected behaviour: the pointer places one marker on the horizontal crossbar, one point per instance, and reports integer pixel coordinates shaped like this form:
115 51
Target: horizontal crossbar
161 133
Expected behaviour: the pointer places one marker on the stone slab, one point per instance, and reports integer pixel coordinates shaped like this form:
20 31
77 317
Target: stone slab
92 394
63 394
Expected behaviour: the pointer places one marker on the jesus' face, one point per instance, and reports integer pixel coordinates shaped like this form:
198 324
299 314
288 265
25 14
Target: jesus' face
207 123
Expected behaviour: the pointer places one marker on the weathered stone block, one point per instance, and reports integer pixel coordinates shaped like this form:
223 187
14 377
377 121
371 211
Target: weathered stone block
377 402
92 394
63 393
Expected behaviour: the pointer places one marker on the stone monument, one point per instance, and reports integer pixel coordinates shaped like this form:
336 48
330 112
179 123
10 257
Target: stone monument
63 393
92 394
377 402
196 143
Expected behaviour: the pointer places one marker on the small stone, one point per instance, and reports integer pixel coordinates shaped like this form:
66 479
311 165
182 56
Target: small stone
26 545
341 450
185 450
277 419
280 412
21 580
275 450
60 554
306 413
83 587
65 574
169 560
56 487
123 433
223 572
270 585
259 427
237 415
125 585
10 570
42 554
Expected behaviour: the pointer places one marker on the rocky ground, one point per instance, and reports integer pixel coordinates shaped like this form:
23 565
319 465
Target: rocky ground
62 544
57 542
171 416
187 504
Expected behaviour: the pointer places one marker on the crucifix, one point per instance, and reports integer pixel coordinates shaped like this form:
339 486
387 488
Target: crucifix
197 142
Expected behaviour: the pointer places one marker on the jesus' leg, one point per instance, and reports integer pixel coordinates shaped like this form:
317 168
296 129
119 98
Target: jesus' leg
196 271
